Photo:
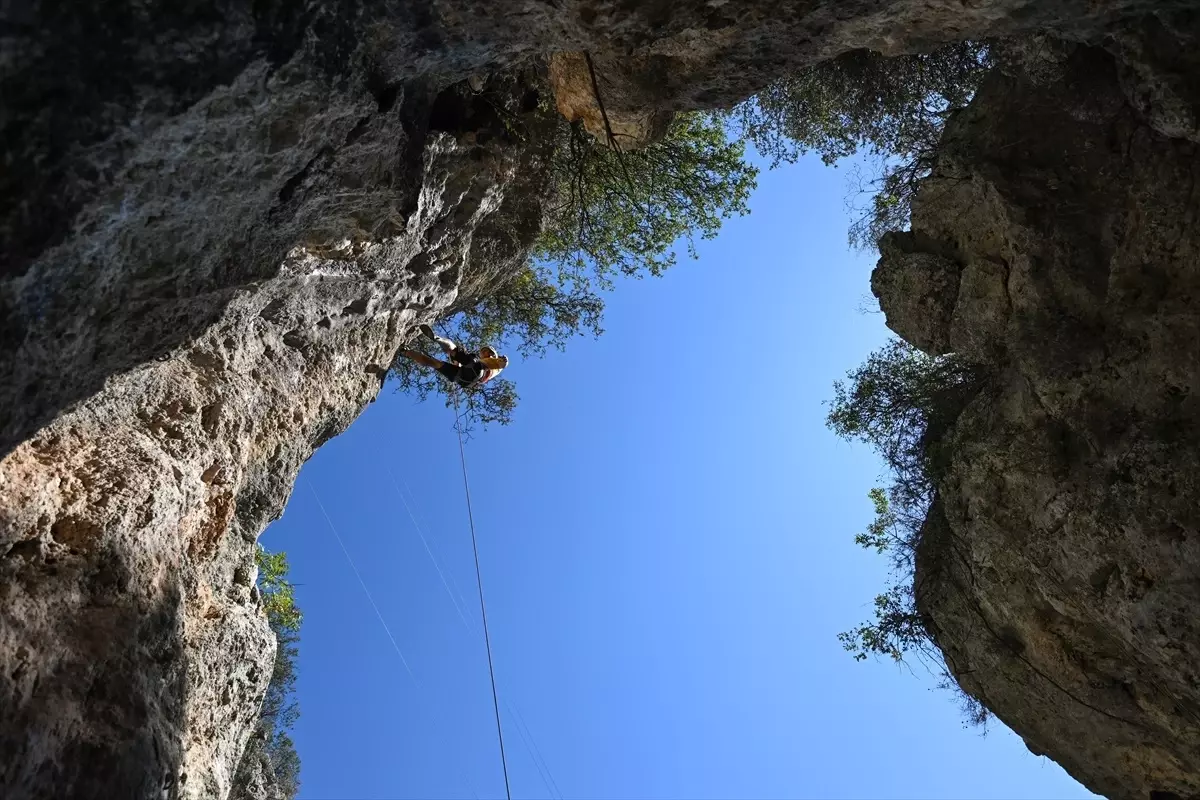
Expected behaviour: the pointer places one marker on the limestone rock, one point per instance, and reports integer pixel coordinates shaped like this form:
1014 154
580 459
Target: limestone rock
1059 567
255 777
218 221
919 290
134 650
578 99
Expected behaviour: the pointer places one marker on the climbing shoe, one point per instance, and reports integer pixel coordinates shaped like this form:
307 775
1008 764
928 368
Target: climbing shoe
426 331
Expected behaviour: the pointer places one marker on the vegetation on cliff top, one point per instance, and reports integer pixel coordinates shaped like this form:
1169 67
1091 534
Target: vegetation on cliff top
904 404
892 108
279 710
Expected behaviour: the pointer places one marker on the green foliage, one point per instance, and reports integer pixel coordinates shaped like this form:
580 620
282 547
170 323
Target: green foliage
878 535
610 214
863 99
897 627
896 630
621 213
893 108
534 312
286 763
904 404
279 596
279 710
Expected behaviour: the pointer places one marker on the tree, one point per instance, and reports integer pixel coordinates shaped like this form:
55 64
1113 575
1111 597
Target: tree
904 404
894 108
279 596
621 213
279 710
610 214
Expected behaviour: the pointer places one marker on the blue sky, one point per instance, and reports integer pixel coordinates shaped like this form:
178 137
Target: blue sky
666 538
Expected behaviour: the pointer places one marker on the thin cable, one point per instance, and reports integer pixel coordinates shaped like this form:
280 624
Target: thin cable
538 750
487 639
420 687
458 595
535 754
366 591
425 542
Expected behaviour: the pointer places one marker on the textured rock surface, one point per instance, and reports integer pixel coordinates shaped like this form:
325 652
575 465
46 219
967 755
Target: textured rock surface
255 777
217 220
134 650
1058 242
571 80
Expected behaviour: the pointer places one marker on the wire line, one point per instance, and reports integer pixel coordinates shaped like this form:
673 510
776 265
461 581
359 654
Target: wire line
361 583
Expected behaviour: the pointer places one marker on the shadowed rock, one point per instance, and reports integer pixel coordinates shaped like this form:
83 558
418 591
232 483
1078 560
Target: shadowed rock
1059 570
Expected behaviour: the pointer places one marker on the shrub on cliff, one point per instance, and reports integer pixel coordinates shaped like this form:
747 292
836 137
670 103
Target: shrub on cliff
903 403
279 710
893 108
609 215
622 213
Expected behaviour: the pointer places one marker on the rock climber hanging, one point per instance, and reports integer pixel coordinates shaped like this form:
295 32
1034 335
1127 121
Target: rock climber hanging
465 369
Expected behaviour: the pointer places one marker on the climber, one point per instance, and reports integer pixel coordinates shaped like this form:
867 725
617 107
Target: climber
465 369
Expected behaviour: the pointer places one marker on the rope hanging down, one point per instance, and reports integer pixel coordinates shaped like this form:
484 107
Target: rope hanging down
487 639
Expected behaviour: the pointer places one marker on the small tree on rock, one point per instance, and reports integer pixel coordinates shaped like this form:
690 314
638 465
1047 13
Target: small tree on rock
904 404
279 710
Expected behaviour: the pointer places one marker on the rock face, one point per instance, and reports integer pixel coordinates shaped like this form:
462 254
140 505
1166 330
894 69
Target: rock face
576 84
255 778
1057 243
135 652
218 222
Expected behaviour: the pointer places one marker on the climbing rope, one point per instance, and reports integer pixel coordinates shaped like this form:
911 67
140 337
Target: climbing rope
538 760
487 639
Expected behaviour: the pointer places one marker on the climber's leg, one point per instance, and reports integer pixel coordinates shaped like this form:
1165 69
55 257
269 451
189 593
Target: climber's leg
449 371
448 347
420 358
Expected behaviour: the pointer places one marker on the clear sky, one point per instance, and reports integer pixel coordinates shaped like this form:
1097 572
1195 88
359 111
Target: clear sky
666 538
